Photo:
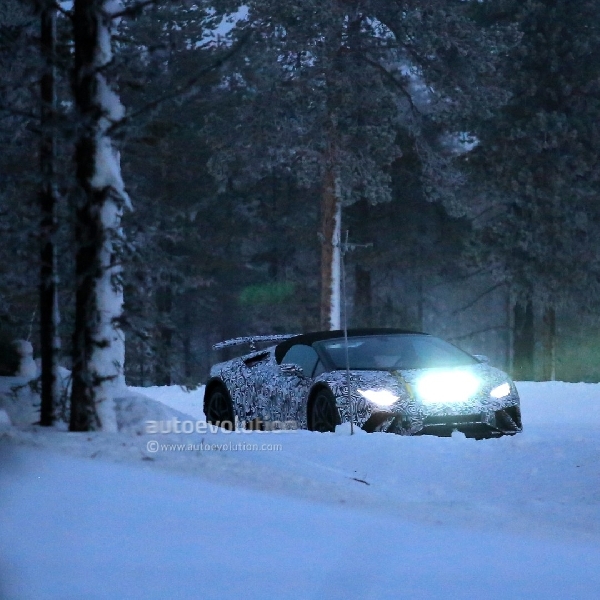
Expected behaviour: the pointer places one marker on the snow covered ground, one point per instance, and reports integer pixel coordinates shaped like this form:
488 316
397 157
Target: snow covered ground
303 515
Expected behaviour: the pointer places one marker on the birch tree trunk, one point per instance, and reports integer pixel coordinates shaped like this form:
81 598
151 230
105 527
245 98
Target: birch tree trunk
331 228
98 342
49 340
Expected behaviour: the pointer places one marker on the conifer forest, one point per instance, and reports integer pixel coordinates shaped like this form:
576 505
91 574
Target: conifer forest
176 173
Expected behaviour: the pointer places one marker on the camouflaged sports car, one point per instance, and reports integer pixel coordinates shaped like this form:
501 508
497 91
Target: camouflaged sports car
399 382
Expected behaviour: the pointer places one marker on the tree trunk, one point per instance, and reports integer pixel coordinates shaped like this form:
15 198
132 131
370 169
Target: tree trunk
187 353
331 223
549 344
98 343
510 331
524 342
188 357
49 340
420 302
164 306
363 297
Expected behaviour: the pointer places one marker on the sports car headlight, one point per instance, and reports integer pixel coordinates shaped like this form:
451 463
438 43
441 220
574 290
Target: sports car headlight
500 390
448 386
381 397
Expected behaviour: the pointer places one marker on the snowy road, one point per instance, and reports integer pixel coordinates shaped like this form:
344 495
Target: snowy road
323 516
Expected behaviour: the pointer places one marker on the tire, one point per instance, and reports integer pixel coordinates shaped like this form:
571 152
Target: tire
324 415
218 407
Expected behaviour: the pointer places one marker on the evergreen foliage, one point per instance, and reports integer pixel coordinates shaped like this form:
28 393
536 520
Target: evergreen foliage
539 156
437 124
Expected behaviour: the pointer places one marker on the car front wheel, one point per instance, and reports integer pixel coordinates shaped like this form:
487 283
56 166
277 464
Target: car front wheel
324 413
218 408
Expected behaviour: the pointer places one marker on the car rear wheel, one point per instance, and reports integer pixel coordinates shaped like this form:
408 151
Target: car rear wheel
324 412
218 408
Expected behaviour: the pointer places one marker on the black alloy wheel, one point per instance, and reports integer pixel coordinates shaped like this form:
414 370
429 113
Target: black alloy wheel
219 409
324 412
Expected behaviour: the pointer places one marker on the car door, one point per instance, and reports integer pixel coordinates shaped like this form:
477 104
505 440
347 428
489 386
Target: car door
296 383
254 385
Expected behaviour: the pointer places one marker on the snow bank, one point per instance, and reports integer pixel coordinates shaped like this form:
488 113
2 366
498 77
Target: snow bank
27 366
346 429
556 404
20 400
190 402
134 410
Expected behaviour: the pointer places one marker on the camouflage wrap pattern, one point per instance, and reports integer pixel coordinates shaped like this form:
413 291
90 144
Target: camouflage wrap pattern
259 389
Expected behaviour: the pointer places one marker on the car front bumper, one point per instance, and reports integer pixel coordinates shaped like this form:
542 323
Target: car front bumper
484 424
504 421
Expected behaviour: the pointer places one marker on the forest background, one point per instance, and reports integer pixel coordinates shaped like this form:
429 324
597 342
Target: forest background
456 142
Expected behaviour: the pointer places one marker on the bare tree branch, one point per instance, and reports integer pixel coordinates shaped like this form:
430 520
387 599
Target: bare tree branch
63 11
15 112
391 78
182 90
474 333
134 10
476 299
459 279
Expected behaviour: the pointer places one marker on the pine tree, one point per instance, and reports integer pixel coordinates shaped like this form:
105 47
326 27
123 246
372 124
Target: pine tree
325 88
538 163
19 125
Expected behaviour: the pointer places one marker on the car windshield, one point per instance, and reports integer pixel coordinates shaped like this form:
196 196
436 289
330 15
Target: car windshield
393 351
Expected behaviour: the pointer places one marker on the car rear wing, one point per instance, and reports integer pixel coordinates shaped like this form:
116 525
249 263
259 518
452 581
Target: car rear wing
252 340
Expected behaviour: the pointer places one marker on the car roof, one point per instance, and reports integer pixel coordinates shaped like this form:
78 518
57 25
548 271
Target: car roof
307 339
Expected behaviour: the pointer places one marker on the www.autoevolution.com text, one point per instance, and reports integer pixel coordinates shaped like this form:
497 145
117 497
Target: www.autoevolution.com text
153 446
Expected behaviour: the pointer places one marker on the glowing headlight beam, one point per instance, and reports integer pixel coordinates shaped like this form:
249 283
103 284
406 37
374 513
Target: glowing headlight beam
500 391
381 397
447 387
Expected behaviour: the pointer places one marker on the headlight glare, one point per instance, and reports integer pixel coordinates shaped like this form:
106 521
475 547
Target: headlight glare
447 387
500 390
381 397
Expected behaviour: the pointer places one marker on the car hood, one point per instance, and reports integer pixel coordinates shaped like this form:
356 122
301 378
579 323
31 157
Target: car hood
489 376
402 383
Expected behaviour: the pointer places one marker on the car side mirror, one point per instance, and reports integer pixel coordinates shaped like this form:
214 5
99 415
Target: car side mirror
292 369
482 358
